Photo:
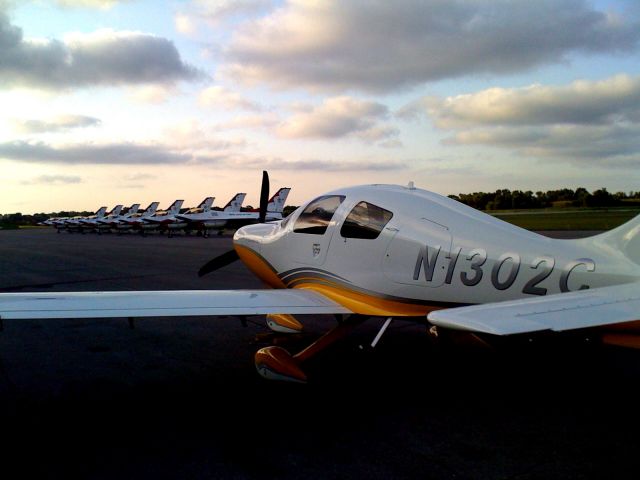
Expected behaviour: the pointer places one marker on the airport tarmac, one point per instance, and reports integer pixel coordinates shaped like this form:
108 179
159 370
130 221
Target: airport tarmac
180 398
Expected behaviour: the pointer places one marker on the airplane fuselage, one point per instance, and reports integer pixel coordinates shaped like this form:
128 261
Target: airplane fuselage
390 250
220 219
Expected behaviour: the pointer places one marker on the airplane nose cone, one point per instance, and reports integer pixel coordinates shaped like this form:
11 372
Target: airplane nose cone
256 246
254 235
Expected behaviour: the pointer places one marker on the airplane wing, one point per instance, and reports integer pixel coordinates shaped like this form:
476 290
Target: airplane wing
563 311
164 303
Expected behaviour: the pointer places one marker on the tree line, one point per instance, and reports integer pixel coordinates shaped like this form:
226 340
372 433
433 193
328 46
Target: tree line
506 199
12 220
503 199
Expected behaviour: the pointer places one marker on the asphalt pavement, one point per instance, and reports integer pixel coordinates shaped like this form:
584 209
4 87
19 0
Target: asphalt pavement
180 398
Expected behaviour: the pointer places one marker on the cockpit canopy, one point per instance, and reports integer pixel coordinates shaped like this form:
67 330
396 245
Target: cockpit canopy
365 220
315 218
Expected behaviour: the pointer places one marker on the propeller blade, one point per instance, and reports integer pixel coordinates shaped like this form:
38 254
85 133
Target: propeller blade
264 196
218 262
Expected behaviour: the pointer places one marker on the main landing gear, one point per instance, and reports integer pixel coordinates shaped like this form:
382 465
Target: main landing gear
276 363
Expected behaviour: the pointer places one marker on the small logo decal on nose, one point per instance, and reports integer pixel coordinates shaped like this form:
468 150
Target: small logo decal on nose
316 249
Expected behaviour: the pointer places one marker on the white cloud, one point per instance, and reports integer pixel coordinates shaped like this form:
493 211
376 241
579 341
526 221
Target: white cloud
585 122
87 154
604 144
582 102
380 132
220 97
265 120
192 135
53 180
102 4
220 9
216 11
380 45
55 124
139 176
390 143
322 165
339 117
185 24
104 57
152 94
220 16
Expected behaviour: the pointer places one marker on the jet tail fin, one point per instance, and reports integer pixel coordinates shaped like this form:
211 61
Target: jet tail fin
276 204
175 207
115 211
235 204
101 211
133 209
206 204
151 209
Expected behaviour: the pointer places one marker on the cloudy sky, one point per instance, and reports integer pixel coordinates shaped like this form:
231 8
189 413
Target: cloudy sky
123 101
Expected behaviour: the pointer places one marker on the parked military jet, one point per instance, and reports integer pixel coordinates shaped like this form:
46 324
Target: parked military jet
232 215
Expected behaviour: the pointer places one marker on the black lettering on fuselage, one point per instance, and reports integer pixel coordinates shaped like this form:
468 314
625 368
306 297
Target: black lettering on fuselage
429 264
542 266
513 273
477 257
564 278
453 259
531 286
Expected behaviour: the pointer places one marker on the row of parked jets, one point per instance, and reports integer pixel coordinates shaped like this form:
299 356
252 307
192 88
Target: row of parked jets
201 219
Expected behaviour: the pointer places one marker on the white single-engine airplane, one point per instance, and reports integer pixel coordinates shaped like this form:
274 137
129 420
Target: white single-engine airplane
391 251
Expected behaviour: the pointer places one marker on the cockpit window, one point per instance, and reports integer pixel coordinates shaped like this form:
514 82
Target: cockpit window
287 219
316 216
365 221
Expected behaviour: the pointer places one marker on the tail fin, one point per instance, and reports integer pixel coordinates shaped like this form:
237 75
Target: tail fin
151 209
115 211
626 238
235 204
101 211
205 205
133 209
276 204
175 207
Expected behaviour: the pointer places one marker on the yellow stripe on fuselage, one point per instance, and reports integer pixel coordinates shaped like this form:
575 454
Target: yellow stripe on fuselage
357 302
365 304
259 266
